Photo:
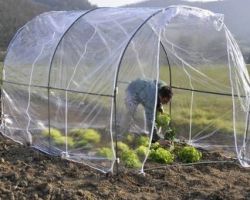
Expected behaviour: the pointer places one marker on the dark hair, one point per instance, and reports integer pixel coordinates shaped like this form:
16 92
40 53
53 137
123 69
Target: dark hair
165 91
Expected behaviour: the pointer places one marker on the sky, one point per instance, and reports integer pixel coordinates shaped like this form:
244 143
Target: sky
115 3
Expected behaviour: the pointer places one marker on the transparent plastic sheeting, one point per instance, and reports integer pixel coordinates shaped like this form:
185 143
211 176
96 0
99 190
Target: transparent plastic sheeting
66 75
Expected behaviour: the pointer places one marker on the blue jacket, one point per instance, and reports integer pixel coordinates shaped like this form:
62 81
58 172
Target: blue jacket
143 92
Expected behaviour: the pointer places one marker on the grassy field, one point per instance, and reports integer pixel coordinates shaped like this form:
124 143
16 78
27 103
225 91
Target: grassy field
208 112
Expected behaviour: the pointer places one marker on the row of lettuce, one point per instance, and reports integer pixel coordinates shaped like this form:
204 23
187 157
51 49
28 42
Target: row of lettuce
132 148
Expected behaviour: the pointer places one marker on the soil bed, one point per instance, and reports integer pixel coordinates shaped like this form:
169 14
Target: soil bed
29 174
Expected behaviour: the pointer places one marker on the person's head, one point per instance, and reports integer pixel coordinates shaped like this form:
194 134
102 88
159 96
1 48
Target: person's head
165 94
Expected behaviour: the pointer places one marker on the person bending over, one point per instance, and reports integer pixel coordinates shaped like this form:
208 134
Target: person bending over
142 91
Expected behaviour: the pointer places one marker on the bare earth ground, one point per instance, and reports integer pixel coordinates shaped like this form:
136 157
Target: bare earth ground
28 174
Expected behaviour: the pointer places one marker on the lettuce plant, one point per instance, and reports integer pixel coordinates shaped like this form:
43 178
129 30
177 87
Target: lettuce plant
163 121
161 155
54 133
105 152
141 151
143 140
189 154
62 141
57 137
155 145
88 135
80 143
92 136
129 138
122 146
130 159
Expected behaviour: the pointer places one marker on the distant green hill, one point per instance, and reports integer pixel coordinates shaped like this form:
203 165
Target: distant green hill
66 4
15 13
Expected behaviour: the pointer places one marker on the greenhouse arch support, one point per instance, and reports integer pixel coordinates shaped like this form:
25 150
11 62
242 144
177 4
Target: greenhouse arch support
52 62
116 78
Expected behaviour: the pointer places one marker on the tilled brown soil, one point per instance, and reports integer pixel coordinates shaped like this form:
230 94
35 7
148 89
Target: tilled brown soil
28 174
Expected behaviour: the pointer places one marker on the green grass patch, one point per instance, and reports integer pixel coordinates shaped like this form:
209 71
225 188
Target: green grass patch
208 112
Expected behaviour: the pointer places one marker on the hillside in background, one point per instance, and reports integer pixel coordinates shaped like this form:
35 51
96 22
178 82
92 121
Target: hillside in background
15 13
236 13
12 16
65 4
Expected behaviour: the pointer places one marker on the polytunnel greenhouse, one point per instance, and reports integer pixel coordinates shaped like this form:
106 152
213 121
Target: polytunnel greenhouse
66 73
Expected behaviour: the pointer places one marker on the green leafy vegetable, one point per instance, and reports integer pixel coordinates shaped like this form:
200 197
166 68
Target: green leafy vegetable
189 154
143 140
141 151
105 152
163 121
129 138
122 146
155 145
62 141
57 137
77 133
88 135
92 135
130 159
54 133
161 155
80 143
